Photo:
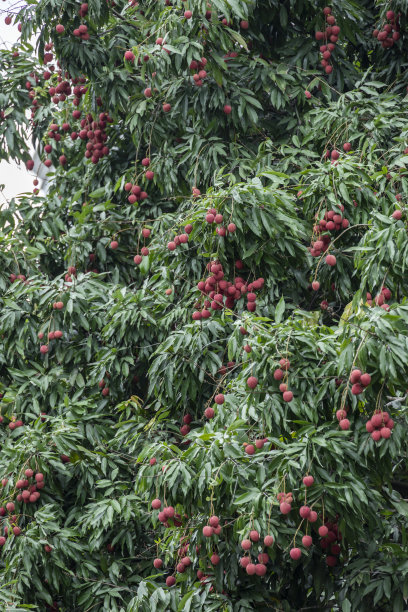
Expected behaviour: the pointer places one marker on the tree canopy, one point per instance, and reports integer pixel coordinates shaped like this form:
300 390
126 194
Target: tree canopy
204 314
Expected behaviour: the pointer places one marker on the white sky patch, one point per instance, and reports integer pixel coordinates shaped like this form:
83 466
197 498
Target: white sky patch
15 177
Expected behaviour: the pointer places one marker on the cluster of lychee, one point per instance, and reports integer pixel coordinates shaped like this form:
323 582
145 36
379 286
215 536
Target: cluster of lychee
136 193
281 373
334 154
14 423
144 251
167 514
183 563
359 381
213 216
246 562
185 428
329 38
103 385
60 92
91 130
330 538
30 492
180 238
29 486
285 500
95 132
71 273
52 335
390 32
82 30
16 277
341 416
12 520
213 528
332 221
216 288
380 425
259 444
380 299
198 68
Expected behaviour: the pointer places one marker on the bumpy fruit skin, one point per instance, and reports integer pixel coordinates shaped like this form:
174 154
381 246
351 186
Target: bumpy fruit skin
369 427
158 563
268 540
214 521
227 109
385 432
355 376
250 449
285 508
260 569
209 413
365 380
357 389
252 382
129 56
295 553
287 396
397 214
170 581
344 424
323 531
215 559
208 531
308 481
307 541
246 544
330 260
156 504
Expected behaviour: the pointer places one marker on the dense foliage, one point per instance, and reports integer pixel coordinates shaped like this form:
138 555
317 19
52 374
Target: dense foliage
177 385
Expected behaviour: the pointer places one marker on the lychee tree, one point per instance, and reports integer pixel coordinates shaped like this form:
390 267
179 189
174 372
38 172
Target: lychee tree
204 322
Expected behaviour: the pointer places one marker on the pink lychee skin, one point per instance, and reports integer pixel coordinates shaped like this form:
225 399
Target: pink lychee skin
295 553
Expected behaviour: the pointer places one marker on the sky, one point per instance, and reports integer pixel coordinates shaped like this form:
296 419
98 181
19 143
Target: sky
16 178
